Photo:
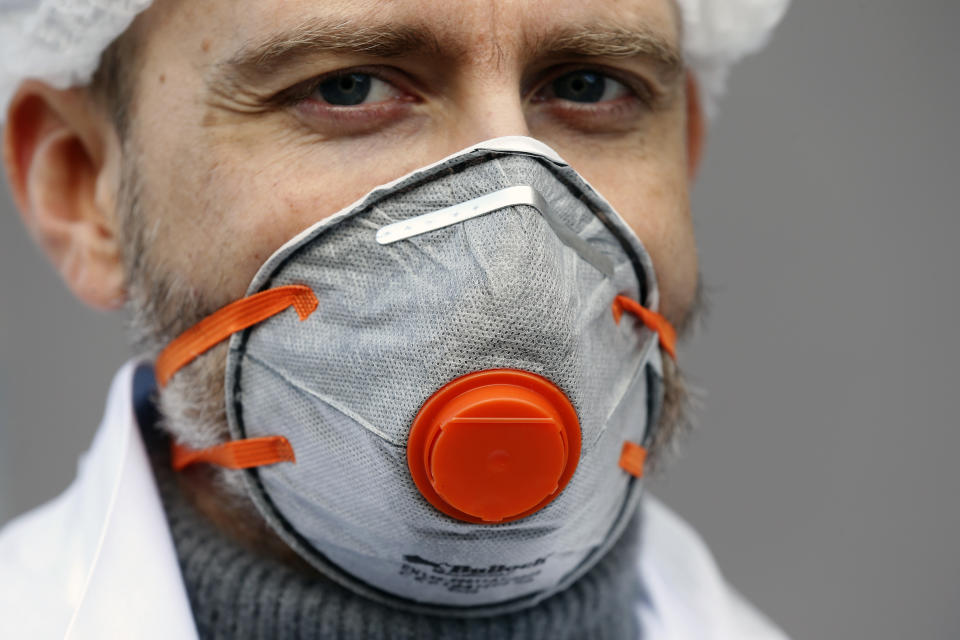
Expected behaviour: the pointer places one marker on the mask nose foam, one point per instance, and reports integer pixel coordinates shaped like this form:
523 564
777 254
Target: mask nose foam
494 446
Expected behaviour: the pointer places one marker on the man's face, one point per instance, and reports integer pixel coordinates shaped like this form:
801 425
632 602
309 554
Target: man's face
253 119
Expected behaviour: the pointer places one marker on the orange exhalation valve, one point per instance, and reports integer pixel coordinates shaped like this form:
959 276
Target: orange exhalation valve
494 446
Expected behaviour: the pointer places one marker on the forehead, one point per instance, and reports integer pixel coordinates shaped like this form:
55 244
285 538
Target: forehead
462 26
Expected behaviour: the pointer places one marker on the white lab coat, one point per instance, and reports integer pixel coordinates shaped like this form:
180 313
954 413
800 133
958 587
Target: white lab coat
98 562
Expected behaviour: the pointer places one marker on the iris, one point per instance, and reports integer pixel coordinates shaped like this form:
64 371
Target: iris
346 90
580 86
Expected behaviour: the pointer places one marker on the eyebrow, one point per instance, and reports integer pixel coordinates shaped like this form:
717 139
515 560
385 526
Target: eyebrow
258 61
317 36
613 41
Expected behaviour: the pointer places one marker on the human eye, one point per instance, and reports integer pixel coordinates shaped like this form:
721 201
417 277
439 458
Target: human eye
351 101
354 88
585 86
592 99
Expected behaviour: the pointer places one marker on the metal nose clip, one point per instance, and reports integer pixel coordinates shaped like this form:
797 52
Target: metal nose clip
523 195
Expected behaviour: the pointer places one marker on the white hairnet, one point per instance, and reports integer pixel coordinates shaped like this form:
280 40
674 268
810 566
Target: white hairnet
60 41
718 33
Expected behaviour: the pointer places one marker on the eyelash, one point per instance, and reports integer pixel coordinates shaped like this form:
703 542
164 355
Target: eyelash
617 114
638 87
303 91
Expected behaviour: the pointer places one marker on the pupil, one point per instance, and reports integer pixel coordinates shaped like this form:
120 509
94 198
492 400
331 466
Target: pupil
346 90
579 86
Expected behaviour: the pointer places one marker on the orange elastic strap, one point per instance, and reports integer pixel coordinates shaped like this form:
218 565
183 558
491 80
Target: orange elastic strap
632 458
234 317
238 454
651 319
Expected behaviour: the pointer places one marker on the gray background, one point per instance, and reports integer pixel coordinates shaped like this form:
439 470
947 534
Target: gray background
823 474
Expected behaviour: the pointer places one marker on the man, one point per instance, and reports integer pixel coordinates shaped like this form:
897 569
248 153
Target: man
206 154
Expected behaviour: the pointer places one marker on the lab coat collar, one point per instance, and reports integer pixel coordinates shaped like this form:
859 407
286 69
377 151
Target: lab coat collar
98 561
134 587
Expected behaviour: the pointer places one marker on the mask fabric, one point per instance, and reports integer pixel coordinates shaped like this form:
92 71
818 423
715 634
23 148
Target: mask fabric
500 257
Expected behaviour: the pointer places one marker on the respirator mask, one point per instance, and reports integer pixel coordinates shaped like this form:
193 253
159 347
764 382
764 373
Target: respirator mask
442 394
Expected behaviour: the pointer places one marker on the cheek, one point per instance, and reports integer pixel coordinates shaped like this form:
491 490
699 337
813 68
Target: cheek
654 200
674 252
226 215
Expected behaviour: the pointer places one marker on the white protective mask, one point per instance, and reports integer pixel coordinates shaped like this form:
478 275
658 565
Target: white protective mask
397 469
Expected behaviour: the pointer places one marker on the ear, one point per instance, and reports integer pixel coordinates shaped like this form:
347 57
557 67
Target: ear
62 159
696 127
